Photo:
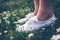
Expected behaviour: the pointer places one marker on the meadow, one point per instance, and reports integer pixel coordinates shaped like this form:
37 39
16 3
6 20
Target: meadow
13 10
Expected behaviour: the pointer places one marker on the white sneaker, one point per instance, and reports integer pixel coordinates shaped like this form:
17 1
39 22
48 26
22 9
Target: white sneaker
27 17
34 24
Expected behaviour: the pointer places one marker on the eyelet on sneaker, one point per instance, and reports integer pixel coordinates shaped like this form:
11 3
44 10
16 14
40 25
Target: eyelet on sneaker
35 22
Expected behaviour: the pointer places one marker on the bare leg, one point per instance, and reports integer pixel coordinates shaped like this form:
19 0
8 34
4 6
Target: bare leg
44 13
36 4
45 10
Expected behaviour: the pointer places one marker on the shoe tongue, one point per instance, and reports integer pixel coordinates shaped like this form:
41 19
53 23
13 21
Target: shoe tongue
36 19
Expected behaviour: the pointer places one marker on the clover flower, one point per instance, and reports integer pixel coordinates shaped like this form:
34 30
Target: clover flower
58 30
30 35
56 37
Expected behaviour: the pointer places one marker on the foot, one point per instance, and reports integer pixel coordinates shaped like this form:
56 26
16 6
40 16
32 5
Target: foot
27 17
34 24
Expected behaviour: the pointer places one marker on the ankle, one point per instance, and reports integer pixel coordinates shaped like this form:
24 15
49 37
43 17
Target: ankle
35 12
44 17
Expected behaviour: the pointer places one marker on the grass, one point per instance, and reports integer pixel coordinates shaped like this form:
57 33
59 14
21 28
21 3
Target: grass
7 25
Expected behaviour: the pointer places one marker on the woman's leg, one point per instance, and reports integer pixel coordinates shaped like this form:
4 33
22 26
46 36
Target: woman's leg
36 5
44 13
45 10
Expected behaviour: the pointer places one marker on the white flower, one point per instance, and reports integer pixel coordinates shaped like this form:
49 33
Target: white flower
30 35
56 37
11 37
43 28
4 12
5 31
58 30
5 17
0 33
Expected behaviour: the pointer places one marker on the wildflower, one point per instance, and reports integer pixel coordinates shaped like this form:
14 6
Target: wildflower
0 33
5 17
11 37
58 30
30 35
43 28
56 37
5 31
4 12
